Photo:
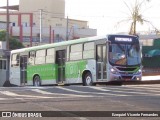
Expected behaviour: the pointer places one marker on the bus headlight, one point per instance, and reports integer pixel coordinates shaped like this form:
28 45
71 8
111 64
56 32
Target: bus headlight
139 71
113 71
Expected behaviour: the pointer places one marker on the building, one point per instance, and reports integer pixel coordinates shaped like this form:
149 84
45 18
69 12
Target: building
2 25
4 64
44 22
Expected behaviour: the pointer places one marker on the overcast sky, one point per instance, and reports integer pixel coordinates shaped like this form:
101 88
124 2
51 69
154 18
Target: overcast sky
104 15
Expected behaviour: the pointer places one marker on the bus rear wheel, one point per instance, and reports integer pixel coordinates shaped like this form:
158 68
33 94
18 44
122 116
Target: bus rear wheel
36 81
88 79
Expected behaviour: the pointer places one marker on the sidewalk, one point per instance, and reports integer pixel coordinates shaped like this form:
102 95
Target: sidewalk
156 77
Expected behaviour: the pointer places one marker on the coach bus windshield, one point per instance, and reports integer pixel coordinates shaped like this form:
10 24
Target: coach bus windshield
124 54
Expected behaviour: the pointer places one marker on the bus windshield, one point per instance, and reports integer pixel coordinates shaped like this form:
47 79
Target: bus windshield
124 54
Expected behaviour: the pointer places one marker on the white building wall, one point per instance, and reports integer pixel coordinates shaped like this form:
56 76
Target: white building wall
56 7
2 26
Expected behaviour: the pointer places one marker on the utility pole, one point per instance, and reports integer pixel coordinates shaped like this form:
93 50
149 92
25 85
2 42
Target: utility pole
7 27
67 30
40 32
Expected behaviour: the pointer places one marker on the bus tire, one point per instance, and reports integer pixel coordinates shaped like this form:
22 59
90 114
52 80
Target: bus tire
36 81
88 79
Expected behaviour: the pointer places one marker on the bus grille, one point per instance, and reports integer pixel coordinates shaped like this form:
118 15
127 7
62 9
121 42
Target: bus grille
126 69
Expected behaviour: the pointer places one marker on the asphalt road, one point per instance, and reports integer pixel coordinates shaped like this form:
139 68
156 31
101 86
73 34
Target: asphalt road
79 98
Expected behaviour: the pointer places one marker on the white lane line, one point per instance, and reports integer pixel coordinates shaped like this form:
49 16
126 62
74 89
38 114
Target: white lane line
49 93
147 88
71 90
133 88
42 92
157 85
137 93
101 89
8 93
4 98
146 78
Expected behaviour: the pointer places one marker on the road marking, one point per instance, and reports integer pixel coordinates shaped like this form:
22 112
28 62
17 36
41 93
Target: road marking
119 91
72 95
4 98
42 92
90 92
144 90
146 78
133 88
71 90
144 87
8 93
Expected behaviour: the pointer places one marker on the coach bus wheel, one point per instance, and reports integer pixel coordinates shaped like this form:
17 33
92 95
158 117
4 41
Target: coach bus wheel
88 79
37 81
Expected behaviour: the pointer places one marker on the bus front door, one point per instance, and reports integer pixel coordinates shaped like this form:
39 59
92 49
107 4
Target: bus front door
60 61
101 58
23 70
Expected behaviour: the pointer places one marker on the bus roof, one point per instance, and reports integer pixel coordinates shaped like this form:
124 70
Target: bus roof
64 43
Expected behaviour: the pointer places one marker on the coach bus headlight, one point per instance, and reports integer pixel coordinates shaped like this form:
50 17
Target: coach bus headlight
113 71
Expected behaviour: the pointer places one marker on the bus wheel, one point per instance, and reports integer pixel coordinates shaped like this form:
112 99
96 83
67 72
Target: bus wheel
36 81
88 79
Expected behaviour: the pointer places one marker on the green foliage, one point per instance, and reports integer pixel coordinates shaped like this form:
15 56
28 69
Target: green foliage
13 43
2 35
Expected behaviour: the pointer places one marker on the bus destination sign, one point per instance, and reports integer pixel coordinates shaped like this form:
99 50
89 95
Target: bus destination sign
118 39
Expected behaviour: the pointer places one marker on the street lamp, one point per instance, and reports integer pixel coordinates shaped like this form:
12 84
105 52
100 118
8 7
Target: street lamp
7 29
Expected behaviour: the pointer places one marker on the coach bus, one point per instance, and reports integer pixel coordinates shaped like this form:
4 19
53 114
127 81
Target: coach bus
85 61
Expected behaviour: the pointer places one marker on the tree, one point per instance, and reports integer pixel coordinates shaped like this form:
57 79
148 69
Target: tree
2 35
13 43
135 15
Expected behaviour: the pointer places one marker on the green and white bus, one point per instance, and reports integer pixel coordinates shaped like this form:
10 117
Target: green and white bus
84 61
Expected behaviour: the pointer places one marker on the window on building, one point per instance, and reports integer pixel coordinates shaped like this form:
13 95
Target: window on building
58 25
13 24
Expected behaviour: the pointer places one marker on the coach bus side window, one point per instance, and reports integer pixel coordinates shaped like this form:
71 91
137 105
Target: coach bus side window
76 52
31 58
40 57
15 60
50 56
88 50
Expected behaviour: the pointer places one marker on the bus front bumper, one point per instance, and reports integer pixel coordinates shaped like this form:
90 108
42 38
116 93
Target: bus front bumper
124 77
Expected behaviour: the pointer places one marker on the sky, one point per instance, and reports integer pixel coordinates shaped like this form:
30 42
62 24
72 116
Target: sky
104 15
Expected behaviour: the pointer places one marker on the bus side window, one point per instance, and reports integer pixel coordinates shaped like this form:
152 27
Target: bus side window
15 60
99 54
68 53
50 55
31 58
